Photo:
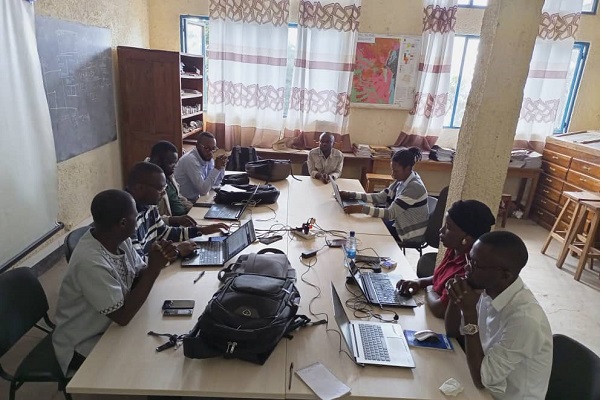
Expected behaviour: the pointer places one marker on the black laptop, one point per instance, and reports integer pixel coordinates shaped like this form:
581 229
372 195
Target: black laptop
229 212
209 254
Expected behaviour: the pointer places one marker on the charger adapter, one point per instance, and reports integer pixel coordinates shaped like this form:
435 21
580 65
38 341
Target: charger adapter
308 254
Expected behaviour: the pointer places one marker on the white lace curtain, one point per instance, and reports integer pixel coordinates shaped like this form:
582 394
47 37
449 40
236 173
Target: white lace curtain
323 70
546 83
247 71
424 124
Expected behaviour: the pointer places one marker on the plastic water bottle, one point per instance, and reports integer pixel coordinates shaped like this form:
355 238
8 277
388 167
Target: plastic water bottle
351 246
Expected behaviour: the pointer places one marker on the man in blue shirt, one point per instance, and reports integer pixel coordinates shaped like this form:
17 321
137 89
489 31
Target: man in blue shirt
197 172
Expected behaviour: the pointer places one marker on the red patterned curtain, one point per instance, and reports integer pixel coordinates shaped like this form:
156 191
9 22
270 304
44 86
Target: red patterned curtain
247 71
545 90
323 70
431 99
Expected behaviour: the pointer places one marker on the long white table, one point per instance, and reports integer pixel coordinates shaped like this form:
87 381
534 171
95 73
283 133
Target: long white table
125 361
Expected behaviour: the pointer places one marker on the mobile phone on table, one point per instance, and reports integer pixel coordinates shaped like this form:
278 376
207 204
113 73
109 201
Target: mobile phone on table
178 304
175 312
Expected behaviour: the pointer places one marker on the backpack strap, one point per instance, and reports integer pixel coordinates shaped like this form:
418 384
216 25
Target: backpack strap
270 250
298 322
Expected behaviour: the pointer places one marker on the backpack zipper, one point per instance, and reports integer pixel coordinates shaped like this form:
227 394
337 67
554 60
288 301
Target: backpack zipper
231 346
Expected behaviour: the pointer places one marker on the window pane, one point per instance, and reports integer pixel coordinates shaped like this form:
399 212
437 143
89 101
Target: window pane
292 35
480 3
469 64
588 6
194 37
458 45
564 110
463 2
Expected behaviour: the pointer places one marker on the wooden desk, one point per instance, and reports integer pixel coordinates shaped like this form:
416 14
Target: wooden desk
525 174
125 361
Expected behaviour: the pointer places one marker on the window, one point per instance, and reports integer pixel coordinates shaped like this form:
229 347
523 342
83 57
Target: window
588 6
194 38
465 53
472 3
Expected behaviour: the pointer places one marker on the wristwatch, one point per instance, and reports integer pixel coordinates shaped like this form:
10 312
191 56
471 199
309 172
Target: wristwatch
470 329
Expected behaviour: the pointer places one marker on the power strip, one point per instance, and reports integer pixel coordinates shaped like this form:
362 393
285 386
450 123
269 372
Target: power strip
306 236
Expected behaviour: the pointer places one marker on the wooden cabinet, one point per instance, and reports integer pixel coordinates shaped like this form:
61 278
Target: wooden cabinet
570 163
160 98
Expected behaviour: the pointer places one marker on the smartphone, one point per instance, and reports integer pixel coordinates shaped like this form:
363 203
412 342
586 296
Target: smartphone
173 312
178 304
337 243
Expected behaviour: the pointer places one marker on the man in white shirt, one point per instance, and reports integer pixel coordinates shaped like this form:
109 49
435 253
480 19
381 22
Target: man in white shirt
508 340
325 161
197 172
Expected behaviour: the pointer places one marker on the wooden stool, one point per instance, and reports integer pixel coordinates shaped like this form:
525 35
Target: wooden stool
374 179
582 246
574 198
504 209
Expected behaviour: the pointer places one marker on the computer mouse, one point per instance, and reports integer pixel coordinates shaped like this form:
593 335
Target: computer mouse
426 335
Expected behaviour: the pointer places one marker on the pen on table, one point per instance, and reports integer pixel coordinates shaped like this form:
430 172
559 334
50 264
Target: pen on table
199 276
290 377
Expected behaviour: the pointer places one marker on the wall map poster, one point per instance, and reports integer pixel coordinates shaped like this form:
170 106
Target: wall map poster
385 70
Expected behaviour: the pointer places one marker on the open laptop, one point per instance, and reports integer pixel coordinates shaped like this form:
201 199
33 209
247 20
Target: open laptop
343 203
229 212
211 254
378 288
372 343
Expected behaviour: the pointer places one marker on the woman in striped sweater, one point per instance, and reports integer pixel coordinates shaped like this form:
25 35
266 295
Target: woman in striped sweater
406 199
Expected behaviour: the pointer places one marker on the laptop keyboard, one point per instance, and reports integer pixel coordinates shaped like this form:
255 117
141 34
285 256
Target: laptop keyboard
374 344
210 253
384 290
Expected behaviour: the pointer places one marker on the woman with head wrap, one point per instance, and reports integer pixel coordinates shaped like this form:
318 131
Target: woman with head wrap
464 223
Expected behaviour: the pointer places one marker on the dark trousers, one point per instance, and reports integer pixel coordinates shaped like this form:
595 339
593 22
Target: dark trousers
390 225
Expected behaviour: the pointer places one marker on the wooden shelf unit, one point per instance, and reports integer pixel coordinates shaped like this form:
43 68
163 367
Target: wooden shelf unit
151 100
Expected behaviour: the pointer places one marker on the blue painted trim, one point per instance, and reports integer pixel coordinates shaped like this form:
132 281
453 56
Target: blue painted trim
459 79
594 10
583 48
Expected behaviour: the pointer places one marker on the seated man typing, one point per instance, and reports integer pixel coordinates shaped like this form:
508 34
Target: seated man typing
197 172
106 280
164 154
508 341
147 184
325 161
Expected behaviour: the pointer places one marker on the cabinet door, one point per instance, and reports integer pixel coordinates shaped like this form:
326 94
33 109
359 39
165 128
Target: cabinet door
150 105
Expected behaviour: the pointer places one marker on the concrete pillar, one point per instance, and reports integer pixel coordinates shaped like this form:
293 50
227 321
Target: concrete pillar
509 30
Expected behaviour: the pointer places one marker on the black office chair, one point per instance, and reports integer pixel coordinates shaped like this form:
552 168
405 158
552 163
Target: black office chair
427 262
305 169
436 209
23 304
72 239
575 371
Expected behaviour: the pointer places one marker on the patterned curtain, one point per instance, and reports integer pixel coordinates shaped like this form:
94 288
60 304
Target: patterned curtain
247 71
424 124
323 71
546 83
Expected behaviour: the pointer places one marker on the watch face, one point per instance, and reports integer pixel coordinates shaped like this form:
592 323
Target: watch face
470 329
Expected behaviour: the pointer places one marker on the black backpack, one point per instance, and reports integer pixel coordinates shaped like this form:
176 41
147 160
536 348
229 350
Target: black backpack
269 170
266 194
239 157
252 311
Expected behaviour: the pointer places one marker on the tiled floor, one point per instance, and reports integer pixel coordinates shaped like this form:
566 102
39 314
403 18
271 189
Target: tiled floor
572 307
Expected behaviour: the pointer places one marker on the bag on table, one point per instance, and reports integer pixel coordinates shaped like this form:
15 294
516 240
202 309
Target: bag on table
269 170
254 309
266 194
236 179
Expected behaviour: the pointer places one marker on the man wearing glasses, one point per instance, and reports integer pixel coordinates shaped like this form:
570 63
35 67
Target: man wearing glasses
508 340
197 171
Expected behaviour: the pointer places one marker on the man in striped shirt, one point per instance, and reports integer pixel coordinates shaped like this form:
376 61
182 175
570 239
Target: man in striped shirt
147 184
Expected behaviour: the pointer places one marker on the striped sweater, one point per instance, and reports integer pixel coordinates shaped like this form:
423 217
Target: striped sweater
407 205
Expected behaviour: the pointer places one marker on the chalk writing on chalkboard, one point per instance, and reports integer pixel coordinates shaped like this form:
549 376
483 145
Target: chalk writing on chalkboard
77 71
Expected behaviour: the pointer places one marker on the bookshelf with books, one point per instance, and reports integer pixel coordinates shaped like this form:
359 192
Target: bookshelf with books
160 98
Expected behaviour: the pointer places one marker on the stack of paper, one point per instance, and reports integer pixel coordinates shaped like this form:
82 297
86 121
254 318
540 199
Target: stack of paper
361 150
380 151
441 154
523 158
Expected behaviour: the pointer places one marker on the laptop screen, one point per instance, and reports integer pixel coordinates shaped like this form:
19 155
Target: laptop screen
341 318
337 193
240 239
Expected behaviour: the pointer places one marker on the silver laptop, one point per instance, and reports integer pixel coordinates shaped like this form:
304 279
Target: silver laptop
372 343
229 212
378 288
343 203
210 254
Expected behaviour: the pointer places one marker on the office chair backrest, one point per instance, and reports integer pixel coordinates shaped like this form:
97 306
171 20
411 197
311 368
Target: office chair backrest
436 218
305 169
22 304
72 239
575 371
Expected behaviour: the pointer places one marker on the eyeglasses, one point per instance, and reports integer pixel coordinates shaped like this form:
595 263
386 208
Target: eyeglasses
209 149
161 190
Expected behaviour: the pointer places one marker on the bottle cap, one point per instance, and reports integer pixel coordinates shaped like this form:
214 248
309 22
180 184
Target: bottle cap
352 233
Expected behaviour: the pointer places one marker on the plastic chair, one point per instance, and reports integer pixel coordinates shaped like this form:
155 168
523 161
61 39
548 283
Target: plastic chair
72 239
305 169
436 208
575 371
23 304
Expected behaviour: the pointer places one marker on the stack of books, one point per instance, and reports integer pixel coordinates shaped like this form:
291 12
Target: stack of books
361 150
441 154
380 151
523 158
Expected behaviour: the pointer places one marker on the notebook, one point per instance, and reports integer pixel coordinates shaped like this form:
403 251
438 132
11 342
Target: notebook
229 212
378 288
372 343
217 253
343 203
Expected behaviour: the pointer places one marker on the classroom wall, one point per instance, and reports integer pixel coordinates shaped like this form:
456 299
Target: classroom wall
380 126
82 177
